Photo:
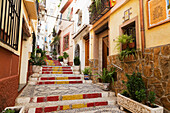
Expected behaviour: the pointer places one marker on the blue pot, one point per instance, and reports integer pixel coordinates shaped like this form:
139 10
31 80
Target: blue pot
86 77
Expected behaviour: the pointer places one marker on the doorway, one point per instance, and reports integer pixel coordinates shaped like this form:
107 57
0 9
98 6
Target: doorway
105 50
87 52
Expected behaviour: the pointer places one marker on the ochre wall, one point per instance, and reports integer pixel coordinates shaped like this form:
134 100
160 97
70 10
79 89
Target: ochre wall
9 66
159 35
116 19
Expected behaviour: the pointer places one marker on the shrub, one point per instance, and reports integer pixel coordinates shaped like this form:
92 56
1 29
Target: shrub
76 61
136 89
60 58
65 55
37 60
87 71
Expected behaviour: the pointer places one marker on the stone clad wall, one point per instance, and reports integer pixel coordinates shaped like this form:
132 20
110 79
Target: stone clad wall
154 64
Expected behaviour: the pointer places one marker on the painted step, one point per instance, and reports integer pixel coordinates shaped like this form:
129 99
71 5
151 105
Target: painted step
70 104
60 75
54 67
57 72
57 78
68 97
60 82
43 70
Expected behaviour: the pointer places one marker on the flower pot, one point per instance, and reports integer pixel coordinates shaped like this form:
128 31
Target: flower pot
86 77
131 45
106 86
124 46
65 61
36 69
61 60
76 70
136 107
17 109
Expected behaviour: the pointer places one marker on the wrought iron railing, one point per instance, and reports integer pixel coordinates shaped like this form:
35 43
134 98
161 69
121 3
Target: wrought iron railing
97 12
10 22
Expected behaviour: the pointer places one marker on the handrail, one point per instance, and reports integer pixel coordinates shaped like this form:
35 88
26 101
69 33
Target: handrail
90 61
117 67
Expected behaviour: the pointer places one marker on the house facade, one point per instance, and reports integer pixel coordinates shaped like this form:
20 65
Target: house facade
66 28
148 22
81 32
18 22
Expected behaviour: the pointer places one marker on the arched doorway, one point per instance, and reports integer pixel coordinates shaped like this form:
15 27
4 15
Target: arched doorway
77 51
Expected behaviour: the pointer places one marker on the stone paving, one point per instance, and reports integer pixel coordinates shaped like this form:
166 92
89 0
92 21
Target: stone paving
60 89
66 98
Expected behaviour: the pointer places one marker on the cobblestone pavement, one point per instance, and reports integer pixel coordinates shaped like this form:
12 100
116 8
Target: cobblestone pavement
47 90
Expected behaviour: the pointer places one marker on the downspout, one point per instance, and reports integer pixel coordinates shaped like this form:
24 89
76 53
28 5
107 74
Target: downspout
142 24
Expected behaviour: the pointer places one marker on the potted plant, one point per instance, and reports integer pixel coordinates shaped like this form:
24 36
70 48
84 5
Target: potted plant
106 78
65 58
54 54
135 98
127 54
87 72
131 42
122 41
38 52
60 58
37 62
76 67
15 109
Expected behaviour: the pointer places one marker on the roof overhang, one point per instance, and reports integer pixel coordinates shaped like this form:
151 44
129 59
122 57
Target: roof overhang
31 8
66 6
84 28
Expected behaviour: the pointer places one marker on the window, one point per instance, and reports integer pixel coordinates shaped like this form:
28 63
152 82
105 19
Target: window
10 22
79 18
66 42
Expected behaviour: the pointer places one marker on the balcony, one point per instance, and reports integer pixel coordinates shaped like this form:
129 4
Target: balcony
97 10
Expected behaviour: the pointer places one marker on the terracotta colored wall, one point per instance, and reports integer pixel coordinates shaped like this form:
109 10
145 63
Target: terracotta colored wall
9 65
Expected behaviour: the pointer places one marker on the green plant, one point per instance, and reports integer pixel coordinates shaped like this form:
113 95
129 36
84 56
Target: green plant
8 111
126 53
125 93
106 76
38 50
169 6
54 53
130 39
87 71
135 86
123 39
76 61
56 40
151 97
65 55
60 57
37 60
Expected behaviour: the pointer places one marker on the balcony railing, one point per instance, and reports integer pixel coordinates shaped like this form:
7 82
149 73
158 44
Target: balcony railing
97 12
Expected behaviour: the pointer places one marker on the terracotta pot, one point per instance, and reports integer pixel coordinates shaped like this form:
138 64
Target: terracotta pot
124 46
131 45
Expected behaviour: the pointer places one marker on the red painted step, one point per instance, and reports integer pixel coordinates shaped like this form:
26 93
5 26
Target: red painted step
55 78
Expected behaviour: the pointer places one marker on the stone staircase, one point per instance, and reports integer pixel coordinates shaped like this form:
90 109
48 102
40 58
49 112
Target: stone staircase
57 89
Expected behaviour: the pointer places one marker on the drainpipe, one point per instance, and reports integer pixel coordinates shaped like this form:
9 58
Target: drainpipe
142 24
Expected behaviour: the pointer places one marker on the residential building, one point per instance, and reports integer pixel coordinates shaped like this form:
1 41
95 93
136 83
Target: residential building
147 21
81 32
66 28
18 22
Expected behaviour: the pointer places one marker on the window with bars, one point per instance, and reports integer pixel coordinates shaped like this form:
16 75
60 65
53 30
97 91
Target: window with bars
10 22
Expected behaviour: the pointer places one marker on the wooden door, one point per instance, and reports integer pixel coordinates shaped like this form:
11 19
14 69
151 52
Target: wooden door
105 52
87 52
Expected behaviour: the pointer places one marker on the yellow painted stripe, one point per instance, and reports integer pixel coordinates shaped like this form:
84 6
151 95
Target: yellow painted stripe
74 106
72 97
61 78
65 107
62 82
